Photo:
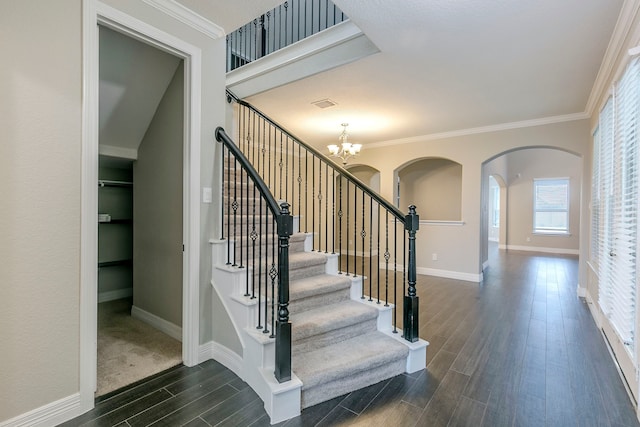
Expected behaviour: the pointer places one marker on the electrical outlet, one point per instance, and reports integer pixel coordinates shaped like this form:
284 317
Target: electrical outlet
434 257
528 239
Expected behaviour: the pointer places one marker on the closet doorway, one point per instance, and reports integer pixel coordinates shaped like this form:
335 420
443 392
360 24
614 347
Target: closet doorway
140 211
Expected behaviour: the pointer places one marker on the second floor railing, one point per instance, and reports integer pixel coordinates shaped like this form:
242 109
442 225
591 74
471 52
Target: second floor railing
286 24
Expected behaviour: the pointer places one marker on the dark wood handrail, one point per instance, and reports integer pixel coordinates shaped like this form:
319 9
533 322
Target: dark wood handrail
284 222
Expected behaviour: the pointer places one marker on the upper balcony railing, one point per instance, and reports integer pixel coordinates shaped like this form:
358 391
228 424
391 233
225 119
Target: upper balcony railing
282 26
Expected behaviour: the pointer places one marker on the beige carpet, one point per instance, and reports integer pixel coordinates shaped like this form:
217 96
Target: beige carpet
128 349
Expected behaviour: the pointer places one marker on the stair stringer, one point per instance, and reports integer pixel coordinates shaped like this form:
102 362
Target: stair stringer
257 364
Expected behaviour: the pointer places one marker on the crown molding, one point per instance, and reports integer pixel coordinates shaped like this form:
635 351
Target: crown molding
615 48
187 16
482 129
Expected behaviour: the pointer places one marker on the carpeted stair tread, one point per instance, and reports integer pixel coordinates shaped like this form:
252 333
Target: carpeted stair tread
347 358
317 285
323 320
298 260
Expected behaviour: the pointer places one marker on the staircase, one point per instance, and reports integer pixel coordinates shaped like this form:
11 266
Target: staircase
310 328
340 342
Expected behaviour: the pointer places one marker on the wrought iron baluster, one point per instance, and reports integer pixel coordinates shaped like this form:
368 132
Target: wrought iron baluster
340 246
299 183
363 234
234 206
228 208
262 237
355 235
306 190
254 237
280 167
348 202
222 192
326 208
371 249
333 210
313 202
319 208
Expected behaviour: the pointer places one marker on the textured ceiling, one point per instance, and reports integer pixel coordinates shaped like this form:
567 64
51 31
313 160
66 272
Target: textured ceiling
447 66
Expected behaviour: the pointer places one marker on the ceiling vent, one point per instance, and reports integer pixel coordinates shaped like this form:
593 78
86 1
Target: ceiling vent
324 103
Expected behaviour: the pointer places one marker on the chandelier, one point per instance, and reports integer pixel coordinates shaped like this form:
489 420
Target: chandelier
346 149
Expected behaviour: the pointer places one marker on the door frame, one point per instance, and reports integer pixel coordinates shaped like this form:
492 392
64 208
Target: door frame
96 13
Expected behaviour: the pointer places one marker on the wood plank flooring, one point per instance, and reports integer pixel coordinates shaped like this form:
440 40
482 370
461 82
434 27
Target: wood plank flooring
520 349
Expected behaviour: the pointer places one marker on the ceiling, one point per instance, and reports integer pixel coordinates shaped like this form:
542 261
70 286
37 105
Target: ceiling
443 66
133 79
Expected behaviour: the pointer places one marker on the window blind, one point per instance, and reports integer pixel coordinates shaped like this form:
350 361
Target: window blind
618 194
595 201
625 203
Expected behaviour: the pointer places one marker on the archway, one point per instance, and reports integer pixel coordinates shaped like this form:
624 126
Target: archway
520 169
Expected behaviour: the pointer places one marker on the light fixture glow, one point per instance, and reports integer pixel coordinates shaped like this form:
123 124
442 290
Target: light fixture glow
347 149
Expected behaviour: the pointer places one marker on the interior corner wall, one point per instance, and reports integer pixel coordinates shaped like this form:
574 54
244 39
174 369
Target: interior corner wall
157 209
40 169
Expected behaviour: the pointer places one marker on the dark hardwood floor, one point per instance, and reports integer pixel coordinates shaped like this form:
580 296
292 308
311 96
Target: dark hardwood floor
520 349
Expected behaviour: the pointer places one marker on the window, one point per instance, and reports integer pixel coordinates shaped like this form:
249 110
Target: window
615 218
551 206
495 218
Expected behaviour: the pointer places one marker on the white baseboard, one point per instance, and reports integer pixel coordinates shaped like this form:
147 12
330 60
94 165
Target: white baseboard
174 331
467 277
114 295
582 292
50 414
559 251
222 354
447 274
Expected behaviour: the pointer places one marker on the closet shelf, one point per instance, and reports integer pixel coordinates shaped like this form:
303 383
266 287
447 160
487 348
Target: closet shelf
112 183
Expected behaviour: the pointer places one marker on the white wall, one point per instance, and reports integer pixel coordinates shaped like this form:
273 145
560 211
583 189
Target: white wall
40 118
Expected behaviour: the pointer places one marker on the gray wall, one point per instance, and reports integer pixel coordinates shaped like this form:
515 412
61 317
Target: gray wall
40 184
157 209
40 169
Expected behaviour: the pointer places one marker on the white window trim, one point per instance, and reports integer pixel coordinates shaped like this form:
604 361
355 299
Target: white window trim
542 232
